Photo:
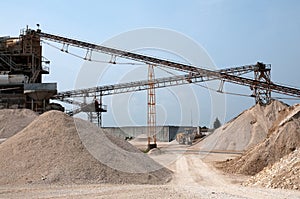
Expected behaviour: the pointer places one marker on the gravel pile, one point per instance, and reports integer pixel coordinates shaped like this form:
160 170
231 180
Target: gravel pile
284 174
283 138
14 120
246 130
54 149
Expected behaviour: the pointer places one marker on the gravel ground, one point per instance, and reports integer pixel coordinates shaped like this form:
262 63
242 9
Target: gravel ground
74 165
194 177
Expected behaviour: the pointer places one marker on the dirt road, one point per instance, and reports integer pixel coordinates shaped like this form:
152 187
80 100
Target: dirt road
194 177
194 174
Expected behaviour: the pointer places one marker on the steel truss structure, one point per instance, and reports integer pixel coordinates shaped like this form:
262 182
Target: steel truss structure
261 85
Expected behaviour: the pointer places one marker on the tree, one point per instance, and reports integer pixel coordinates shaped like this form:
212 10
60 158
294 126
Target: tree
217 123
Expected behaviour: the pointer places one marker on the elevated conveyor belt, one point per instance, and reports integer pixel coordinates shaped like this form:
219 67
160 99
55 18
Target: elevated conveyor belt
204 74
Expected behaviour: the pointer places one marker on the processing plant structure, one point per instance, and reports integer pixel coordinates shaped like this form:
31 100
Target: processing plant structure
22 66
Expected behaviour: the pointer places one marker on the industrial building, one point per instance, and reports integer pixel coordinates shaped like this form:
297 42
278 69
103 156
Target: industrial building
21 68
163 133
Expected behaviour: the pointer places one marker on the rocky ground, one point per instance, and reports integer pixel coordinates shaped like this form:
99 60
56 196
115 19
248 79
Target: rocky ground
194 177
283 138
56 156
284 174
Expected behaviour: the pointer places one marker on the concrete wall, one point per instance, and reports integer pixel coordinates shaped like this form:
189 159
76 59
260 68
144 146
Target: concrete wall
165 133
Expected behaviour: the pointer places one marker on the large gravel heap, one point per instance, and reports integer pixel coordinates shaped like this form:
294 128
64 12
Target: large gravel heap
55 149
282 140
14 120
283 174
246 130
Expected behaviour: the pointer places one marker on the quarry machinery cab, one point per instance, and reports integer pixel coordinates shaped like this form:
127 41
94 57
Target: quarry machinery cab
186 137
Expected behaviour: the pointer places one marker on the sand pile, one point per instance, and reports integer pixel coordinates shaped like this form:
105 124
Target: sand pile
14 120
246 130
54 149
283 138
283 174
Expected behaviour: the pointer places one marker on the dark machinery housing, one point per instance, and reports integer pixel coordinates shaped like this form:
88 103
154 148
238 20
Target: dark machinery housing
21 68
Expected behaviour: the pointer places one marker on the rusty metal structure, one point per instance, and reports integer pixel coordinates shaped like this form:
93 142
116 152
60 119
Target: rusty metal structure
151 116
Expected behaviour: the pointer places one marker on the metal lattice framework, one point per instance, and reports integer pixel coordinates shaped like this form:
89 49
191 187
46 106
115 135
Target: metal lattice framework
262 74
68 96
144 85
151 107
262 86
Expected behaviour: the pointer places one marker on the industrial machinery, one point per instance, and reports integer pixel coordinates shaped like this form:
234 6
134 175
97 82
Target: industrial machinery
186 137
21 70
22 58
189 135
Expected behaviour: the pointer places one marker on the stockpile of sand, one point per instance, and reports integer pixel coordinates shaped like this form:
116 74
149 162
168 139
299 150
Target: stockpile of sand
246 130
283 174
14 120
55 149
283 138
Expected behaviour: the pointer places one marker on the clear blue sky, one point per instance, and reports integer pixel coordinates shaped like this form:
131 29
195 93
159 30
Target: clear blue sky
233 33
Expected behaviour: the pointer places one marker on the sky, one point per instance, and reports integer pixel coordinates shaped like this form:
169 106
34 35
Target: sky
230 32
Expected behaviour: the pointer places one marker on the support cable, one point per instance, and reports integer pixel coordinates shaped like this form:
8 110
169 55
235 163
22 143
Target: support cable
88 56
